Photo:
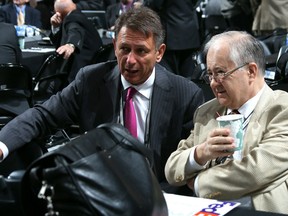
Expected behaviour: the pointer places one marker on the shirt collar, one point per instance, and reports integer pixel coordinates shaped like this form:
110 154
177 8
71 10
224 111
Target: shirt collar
145 88
20 8
126 6
250 105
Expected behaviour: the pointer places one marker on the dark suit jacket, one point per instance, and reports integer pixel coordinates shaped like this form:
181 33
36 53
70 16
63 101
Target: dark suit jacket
78 30
180 21
9 47
94 97
89 4
32 15
112 13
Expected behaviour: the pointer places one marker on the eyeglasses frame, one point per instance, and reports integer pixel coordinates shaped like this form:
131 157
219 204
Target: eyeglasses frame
209 77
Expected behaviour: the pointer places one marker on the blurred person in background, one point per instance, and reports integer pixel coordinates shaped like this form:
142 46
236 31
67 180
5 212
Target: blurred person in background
238 14
181 24
74 36
9 47
19 12
115 10
269 15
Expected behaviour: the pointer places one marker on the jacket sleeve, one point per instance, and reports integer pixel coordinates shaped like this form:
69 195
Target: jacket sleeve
90 5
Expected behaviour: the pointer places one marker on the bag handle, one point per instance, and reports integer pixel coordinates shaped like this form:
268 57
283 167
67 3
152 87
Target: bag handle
133 143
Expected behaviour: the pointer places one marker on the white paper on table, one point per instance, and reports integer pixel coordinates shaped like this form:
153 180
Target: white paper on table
193 206
39 50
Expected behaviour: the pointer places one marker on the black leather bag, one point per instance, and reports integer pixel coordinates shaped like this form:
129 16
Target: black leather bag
103 172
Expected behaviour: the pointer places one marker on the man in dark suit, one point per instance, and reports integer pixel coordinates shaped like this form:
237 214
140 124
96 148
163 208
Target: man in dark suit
115 10
180 22
9 47
9 13
89 4
74 36
165 103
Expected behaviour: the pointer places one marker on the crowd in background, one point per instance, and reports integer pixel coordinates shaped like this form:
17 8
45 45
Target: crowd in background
259 17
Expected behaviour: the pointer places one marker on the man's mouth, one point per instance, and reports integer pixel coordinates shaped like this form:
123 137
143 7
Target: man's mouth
131 70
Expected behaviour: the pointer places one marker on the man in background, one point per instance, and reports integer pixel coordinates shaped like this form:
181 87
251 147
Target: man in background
74 36
9 46
115 10
19 12
181 24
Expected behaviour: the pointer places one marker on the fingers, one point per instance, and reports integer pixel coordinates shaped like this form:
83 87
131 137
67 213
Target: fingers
220 142
56 19
65 50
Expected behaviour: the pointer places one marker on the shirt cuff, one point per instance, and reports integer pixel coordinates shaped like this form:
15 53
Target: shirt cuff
54 30
4 150
192 165
196 188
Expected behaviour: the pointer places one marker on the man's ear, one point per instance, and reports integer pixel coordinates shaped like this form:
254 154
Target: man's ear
253 70
114 45
160 52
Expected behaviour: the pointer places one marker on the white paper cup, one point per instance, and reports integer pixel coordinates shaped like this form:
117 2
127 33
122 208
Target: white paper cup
235 124
21 42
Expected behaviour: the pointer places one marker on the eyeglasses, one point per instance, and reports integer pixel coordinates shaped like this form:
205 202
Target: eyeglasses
221 75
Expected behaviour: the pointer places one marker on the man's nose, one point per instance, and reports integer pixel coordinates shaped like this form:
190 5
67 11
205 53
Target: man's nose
131 58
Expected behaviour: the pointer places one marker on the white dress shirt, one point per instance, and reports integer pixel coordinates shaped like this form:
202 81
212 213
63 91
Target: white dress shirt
141 101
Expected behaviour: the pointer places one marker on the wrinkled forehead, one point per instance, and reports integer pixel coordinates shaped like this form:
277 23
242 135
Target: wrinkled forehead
218 54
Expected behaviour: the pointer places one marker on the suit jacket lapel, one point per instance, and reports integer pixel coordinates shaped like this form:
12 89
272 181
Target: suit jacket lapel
107 97
254 127
114 90
161 108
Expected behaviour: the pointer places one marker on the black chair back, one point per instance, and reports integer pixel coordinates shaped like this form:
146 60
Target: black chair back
105 53
51 77
16 91
16 78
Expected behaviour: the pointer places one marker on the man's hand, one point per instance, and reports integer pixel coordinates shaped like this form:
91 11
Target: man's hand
56 20
67 50
218 144
1 154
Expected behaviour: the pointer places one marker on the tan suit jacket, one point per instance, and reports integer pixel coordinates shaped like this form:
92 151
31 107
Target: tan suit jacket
271 14
263 171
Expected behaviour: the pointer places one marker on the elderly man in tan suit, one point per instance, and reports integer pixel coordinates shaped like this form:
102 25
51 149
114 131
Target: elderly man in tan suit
259 172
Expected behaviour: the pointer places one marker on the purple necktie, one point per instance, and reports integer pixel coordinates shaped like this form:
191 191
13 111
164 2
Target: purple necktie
130 114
